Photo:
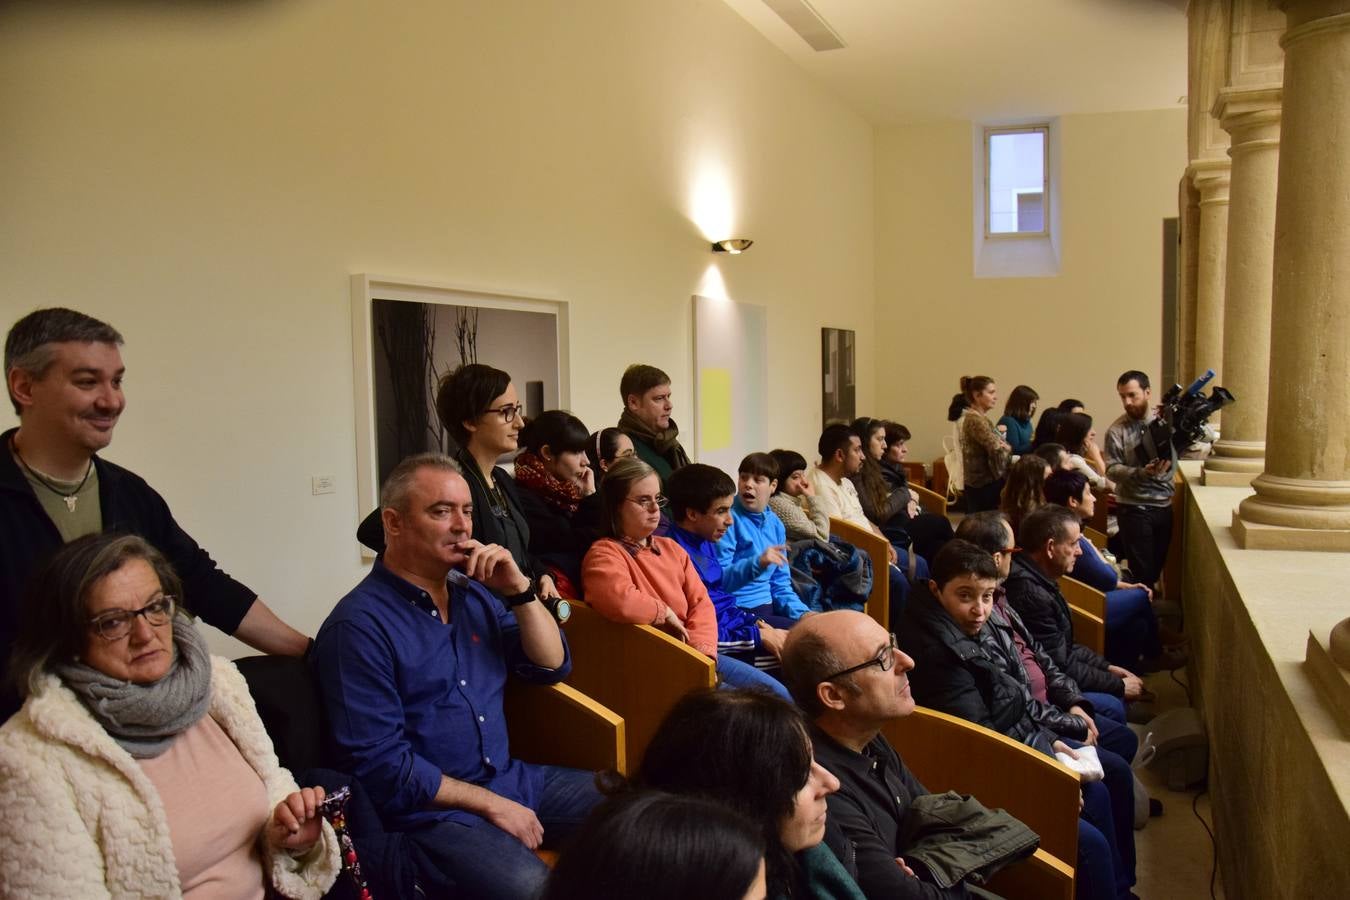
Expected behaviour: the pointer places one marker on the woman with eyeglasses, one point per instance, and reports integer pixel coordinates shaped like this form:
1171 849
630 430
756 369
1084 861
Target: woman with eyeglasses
479 406
138 766
634 575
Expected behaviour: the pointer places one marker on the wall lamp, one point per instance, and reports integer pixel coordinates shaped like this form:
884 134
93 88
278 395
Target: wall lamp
732 245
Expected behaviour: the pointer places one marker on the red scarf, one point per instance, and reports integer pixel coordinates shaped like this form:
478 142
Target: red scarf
531 474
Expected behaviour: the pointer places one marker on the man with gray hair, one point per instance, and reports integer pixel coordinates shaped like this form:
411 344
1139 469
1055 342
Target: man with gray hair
63 370
412 665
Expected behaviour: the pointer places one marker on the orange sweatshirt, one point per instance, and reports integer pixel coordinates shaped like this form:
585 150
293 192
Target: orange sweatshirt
628 584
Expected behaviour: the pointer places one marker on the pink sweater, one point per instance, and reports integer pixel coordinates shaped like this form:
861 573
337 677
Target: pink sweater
637 587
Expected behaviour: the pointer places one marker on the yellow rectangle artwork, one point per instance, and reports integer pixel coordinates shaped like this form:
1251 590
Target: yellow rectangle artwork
714 404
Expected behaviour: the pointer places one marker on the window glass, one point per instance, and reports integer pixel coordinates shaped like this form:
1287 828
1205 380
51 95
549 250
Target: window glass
1016 179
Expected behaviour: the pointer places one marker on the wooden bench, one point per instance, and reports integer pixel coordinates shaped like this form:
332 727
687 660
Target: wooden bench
930 501
878 551
947 753
637 671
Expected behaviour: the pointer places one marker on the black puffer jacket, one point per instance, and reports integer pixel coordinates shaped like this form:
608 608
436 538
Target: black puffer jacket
1061 691
1046 613
968 677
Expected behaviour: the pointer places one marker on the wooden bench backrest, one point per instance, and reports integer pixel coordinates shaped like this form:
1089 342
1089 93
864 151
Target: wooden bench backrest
1088 630
930 501
558 725
877 549
1098 538
1083 596
637 671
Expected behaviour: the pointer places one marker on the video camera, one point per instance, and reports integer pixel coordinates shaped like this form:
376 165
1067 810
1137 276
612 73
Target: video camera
1182 417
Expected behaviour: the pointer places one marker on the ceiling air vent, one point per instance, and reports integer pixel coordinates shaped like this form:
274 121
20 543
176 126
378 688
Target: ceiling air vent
802 18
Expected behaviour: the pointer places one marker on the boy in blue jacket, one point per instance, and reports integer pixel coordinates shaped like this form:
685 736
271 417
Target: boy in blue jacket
753 552
700 499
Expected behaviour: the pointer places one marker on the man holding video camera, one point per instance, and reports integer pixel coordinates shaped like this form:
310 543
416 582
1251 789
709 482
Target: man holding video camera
1141 467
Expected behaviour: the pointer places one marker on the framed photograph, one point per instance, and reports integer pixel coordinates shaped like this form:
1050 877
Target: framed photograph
839 383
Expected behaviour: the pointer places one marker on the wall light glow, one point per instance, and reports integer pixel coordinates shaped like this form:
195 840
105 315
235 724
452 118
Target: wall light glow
711 285
710 201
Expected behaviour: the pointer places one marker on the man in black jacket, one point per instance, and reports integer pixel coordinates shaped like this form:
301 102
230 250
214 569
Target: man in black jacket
64 374
1049 539
845 672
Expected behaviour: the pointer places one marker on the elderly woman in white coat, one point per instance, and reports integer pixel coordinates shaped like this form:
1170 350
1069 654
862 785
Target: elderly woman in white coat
138 766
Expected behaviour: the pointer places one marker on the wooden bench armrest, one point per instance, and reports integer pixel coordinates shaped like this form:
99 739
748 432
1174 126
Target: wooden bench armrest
947 753
1098 538
558 725
1041 876
637 671
930 501
1083 596
1088 630
877 549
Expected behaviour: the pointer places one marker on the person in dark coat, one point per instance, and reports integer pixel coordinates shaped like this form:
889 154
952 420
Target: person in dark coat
556 487
1049 539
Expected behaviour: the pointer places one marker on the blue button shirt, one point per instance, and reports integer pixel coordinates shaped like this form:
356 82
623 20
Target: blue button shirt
410 697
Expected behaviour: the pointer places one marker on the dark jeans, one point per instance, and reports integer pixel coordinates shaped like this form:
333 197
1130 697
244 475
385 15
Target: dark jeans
1109 806
1131 627
482 861
1145 533
979 499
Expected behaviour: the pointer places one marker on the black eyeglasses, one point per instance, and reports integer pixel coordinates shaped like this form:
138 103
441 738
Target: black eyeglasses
508 412
115 625
884 661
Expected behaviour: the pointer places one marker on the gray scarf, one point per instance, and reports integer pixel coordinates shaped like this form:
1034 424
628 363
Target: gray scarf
144 719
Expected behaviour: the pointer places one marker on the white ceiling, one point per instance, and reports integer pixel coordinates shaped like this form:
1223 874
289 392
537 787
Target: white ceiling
986 60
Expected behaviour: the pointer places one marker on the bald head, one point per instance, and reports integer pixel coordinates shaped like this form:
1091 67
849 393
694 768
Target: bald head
820 645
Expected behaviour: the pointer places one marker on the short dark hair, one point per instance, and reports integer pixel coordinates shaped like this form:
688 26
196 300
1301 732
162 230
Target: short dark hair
658 846
1052 453
601 447
1070 404
28 344
556 429
1064 485
759 465
1020 402
1073 431
808 659
984 530
53 615
696 487
467 393
614 490
1133 375
1049 522
789 461
957 558
896 434
1045 427
638 379
834 439
747 749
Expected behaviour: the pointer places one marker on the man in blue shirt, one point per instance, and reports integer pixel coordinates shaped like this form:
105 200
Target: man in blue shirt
700 506
753 552
413 663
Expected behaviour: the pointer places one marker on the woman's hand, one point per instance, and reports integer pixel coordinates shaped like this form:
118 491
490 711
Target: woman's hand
673 624
296 823
547 587
586 482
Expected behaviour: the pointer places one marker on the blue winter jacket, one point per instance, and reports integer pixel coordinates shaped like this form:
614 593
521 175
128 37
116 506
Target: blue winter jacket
739 550
736 628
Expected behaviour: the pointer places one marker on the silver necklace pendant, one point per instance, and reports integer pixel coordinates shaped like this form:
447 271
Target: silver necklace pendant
71 500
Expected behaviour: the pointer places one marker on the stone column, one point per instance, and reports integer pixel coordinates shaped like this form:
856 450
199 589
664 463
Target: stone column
1211 180
1302 499
1252 117
1188 267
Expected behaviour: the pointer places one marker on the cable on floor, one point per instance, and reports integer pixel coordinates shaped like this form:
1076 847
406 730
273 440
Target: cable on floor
1213 844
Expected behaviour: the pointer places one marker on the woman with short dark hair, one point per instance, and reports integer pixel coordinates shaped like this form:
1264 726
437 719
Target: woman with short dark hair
138 766
660 846
1017 413
751 752
794 499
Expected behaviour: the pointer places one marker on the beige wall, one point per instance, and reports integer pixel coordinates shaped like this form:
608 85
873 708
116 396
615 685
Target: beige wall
208 178
936 321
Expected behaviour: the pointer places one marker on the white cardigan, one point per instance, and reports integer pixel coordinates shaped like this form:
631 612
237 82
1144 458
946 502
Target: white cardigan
78 817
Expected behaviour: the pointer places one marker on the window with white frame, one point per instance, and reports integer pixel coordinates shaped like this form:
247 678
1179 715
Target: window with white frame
1017 181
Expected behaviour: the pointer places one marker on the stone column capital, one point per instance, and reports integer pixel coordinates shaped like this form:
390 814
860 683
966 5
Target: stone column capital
1211 178
1240 109
1310 17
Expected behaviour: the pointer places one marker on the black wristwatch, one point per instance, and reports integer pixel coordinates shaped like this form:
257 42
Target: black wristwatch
522 598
